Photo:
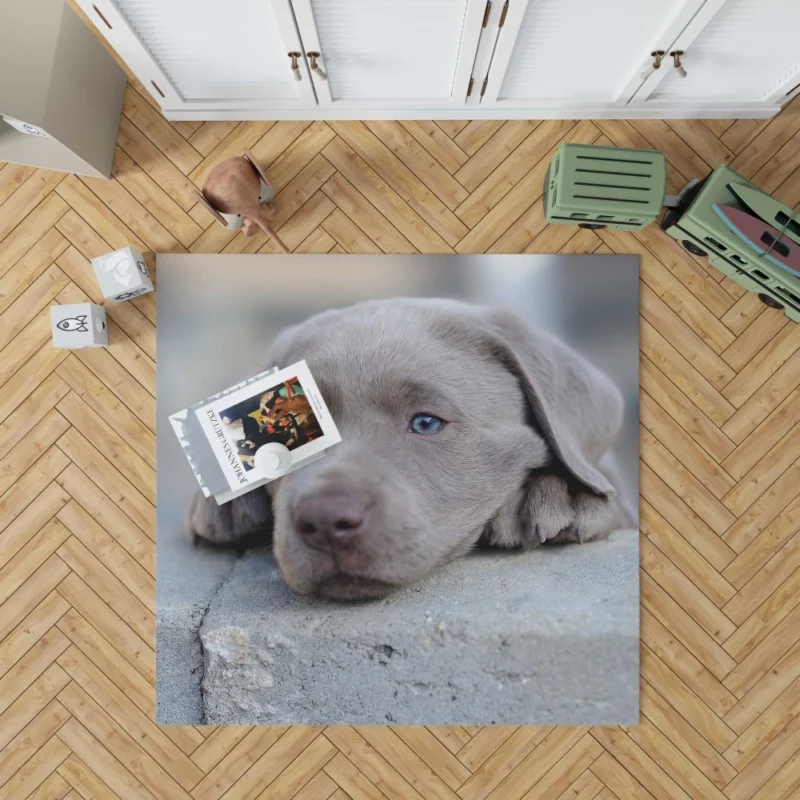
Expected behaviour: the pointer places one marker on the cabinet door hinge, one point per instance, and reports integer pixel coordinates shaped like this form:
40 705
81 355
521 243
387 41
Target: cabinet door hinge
503 15
483 88
469 88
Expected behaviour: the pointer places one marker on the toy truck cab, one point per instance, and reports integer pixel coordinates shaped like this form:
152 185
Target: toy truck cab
696 225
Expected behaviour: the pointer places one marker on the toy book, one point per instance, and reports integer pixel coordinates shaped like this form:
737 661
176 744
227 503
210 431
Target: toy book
221 435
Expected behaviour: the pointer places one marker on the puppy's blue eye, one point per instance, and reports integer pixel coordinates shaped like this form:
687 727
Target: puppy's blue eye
425 423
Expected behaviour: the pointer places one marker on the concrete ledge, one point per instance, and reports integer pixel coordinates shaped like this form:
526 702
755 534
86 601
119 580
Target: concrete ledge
545 637
183 599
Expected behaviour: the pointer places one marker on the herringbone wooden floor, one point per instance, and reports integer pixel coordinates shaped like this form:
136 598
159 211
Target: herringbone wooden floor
720 471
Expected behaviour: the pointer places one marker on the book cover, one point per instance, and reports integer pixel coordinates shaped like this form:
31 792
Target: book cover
220 435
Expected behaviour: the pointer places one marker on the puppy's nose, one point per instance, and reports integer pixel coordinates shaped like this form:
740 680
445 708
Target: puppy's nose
335 518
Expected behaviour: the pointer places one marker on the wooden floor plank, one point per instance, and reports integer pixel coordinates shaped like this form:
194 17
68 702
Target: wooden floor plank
105 771
503 762
41 656
417 159
30 630
349 779
703 763
86 784
119 744
159 131
279 756
682 555
29 413
552 749
99 651
19 278
110 523
31 738
134 459
494 187
37 224
12 176
37 775
32 192
33 591
383 197
91 606
299 772
437 143
364 217
236 763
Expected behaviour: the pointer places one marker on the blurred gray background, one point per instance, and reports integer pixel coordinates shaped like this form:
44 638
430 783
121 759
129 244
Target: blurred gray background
218 314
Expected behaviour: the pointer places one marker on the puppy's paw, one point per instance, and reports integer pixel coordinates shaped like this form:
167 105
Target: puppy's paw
243 522
537 513
590 516
550 507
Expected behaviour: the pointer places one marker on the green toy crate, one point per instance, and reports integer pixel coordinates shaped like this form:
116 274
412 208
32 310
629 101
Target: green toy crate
698 228
605 187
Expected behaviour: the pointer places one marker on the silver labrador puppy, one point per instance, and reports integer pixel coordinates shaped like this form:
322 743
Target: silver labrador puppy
461 424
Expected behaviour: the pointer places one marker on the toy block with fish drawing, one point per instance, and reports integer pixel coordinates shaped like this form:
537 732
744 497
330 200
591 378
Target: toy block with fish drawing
78 325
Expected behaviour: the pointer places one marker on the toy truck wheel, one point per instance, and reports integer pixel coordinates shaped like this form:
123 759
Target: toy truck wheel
770 301
693 248
592 226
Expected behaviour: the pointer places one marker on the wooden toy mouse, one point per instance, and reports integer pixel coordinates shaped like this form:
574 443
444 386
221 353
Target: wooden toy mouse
237 192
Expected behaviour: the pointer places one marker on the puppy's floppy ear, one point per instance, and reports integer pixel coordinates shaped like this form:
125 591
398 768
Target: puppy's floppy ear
576 407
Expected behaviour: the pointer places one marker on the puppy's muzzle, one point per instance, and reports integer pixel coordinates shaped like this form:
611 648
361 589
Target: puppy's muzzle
336 522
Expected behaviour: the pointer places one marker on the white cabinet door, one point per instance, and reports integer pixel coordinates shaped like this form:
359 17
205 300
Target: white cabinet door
736 51
557 54
390 54
208 54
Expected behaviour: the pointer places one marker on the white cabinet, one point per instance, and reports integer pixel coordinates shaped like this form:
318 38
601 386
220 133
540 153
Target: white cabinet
736 51
570 53
390 53
208 53
338 59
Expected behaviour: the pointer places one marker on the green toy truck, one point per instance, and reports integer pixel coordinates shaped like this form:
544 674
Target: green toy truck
613 187
701 231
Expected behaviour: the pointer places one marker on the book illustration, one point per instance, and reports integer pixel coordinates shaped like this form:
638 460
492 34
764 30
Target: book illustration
282 415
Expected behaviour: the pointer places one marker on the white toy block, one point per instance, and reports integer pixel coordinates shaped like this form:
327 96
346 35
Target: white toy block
78 325
122 274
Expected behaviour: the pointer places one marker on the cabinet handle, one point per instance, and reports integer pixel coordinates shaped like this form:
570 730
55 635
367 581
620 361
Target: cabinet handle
295 66
102 17
503 15
676 60
312 57
657 55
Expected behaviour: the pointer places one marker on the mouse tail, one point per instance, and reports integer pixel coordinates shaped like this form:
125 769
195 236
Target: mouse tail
263 223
